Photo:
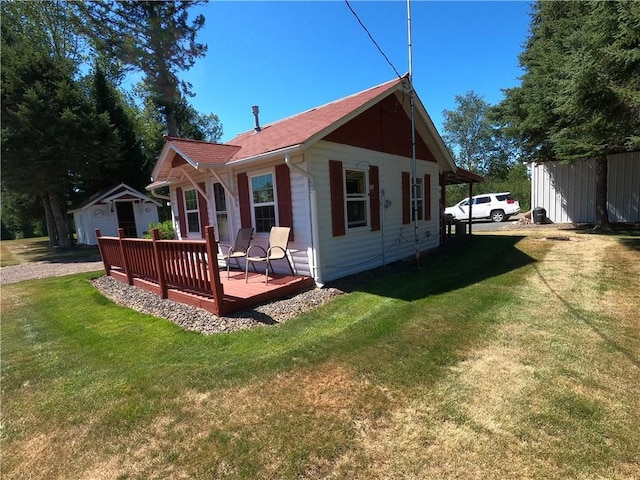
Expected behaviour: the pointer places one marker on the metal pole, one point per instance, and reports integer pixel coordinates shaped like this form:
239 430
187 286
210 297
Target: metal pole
414 168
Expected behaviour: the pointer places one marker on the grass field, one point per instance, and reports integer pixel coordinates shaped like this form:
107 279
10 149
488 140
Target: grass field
15 252
514 356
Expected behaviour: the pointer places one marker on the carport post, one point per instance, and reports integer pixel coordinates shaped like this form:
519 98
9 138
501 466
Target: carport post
470 204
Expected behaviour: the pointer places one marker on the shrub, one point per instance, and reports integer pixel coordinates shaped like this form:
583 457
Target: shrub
165 229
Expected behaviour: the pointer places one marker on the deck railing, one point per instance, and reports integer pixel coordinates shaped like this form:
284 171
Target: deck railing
188 265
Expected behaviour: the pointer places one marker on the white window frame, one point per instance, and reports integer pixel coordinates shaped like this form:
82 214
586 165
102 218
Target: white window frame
187 211
359 197
254 205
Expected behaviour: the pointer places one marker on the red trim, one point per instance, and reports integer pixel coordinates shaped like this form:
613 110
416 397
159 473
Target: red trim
336 184
285 206
374 197
427 197
182 214
204 210
406 198
243 197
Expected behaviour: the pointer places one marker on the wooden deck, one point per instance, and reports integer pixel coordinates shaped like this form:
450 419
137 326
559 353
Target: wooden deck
180 271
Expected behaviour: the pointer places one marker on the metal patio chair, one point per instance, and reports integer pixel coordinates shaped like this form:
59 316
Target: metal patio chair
277 250
238 250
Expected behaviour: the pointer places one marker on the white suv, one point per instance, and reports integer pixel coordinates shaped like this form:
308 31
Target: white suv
496 206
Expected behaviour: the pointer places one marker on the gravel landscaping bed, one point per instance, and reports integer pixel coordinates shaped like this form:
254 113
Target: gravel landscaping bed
202 321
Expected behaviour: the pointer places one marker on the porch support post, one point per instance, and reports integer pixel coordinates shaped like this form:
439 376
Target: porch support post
125 260
162 281
105 261
470 205
214 272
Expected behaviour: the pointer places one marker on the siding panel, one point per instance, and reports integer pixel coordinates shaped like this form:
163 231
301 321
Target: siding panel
567 191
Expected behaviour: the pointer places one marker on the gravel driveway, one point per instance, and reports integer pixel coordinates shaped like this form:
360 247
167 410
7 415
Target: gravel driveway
35 270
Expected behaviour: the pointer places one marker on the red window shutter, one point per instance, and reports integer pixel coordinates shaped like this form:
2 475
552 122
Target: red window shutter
182 214
336 185
406 198
285 206
427 197
204 210
243 198
374 197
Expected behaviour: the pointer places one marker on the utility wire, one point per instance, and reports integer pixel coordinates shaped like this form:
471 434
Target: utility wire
372 39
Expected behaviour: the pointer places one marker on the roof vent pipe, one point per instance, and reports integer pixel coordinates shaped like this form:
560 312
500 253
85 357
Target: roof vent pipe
256 111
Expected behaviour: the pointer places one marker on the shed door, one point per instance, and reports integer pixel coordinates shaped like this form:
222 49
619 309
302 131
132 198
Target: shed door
126 219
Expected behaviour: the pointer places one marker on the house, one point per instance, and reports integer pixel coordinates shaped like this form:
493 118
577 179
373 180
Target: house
117 207
340 175
567 191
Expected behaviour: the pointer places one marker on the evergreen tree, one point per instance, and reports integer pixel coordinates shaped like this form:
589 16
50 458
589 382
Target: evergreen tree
153 37
52 138
130 166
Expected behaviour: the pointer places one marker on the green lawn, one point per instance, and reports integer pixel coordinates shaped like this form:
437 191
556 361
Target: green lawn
509 357
15 252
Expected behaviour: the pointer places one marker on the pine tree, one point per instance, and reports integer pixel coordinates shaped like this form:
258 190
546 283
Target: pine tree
153 37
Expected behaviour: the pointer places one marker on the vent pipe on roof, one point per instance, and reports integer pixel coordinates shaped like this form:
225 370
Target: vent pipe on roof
256 111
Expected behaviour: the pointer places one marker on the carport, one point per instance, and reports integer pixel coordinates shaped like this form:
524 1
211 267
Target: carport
460 176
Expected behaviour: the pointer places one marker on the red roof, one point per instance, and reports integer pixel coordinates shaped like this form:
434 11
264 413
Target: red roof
205 152
291 131
299 128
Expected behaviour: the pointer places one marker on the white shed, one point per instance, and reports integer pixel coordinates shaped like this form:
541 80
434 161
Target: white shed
116 207
567 191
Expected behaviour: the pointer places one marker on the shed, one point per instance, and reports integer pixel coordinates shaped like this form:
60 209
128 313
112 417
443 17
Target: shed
117 207
567 190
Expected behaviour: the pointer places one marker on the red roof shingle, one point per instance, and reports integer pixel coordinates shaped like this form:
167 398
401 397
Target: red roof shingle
299 128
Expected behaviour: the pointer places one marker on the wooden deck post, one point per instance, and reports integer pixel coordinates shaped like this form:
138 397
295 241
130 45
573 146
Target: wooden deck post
214 273
162 281
107 265
127 270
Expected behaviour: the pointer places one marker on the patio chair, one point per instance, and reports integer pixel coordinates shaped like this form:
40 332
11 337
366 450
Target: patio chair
238 250
277 250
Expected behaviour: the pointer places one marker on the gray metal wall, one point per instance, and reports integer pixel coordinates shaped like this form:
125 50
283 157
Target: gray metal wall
567 191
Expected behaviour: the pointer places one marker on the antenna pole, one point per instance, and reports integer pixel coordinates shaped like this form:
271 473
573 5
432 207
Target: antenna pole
414 167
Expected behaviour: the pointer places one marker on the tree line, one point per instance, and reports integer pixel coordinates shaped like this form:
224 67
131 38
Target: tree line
69 129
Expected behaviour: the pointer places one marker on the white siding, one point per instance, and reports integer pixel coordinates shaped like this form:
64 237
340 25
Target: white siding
624 187
361 250
567 191
300 247
145 213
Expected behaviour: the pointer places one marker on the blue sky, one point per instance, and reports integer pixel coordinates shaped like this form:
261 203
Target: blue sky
290 56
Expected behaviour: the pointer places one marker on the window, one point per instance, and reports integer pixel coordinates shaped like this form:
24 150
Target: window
480 200
222 218
418 193
263 202
356 196
191 208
